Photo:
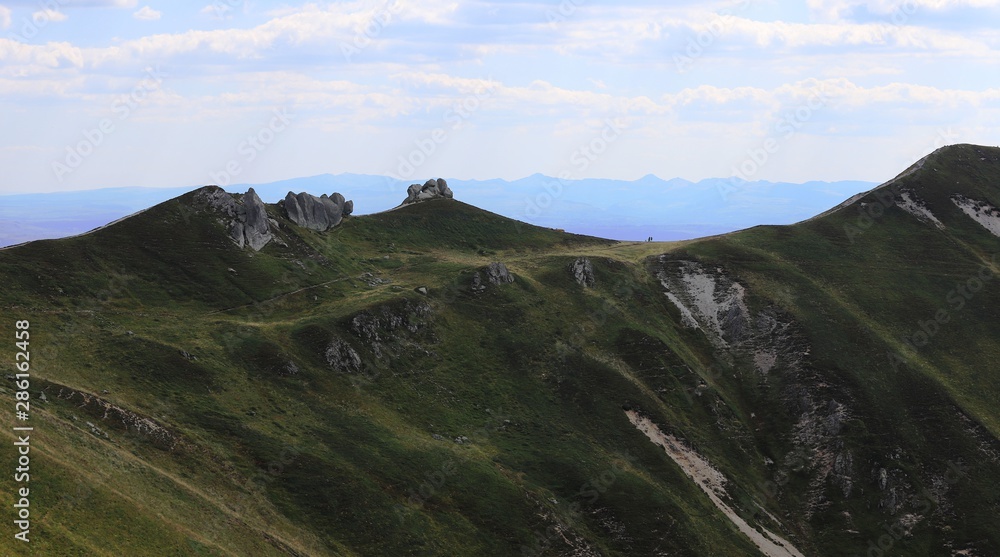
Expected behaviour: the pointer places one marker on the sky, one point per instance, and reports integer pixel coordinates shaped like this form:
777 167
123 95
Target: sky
111 93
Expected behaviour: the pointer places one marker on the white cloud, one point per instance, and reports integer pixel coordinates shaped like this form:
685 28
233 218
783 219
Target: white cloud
147 14
51 55
898 12
4 17
45 16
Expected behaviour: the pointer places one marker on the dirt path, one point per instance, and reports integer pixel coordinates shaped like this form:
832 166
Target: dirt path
712 482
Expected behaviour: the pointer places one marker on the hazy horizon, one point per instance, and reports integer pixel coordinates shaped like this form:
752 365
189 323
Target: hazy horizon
116 93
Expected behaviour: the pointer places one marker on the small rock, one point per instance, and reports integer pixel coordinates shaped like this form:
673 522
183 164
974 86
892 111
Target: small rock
477 283
290 368
342 357
583 272
497 273
432 189
462 440
437 437
422 290
42 397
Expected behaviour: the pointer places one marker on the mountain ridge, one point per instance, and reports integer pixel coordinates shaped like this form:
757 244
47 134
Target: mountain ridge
616 208
357 391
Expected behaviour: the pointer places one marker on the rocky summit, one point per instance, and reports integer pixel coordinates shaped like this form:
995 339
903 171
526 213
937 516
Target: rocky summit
244 215
317 213
432 189
438 380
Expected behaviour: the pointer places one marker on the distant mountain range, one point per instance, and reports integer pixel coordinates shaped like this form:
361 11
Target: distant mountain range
440 380
623 210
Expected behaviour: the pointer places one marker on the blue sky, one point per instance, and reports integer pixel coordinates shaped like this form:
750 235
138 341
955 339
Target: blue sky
107 93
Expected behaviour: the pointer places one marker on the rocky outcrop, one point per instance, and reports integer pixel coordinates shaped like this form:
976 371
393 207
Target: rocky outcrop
252 225
772 342
432 189
496 274
708 300
115 417
389 329
317 213
245 216
342 357
583 272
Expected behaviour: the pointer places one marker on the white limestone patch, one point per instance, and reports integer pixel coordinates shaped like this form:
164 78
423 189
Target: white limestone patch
911 204
707 301
713 483
983 213
764 361
687 318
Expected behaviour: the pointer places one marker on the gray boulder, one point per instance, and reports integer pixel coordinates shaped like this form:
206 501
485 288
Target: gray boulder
477 283
432 189
245 216
495 273
583 272
342 357
317 213
256 227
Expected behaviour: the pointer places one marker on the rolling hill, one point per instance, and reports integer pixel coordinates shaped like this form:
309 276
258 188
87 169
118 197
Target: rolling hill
441 380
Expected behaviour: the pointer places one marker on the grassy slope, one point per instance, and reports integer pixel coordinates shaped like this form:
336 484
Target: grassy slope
534 373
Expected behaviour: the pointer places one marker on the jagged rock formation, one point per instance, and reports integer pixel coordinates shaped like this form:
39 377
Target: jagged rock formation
583 272
342 357
496 274
248 223
431 189
714 302
317 213
391 329
116 417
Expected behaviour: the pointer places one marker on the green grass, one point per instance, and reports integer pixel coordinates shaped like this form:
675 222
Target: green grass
535 373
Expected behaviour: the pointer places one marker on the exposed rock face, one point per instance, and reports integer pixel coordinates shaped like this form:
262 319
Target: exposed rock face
430 190
583 272
317 213
390 329
341 357
716 303
252 222
496 274
248 223
117 417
